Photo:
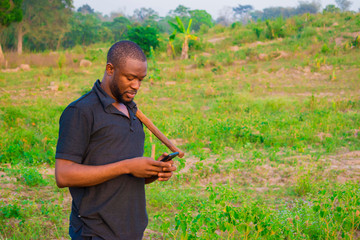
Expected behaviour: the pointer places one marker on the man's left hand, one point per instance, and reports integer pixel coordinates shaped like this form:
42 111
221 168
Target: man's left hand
167 172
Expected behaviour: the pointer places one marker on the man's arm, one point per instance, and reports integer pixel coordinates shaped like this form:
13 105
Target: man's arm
71 174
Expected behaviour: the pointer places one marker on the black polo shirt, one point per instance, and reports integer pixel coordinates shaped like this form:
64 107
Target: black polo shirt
93 132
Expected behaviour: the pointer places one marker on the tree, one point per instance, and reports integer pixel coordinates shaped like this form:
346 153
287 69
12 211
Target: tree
226 16
331 8
344 5
275 12
119 27
200 17
44 23
144 14
180 11
185 33
86 9
146 37
85 30
242 11
306 7
10 11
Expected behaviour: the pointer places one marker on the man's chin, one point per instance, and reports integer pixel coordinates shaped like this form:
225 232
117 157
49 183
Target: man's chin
122 100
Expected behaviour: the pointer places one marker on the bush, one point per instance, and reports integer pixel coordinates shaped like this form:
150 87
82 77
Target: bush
145 37
244 36
307 32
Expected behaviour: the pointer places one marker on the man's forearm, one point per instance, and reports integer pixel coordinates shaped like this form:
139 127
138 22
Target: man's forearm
71 174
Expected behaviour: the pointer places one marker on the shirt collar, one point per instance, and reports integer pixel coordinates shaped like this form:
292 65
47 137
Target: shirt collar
106 100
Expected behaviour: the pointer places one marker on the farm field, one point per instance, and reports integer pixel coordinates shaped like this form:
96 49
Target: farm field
271 131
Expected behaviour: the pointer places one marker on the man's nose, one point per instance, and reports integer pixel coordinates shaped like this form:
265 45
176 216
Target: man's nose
135 84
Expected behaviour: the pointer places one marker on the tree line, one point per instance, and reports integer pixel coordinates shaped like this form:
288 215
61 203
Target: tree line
39 25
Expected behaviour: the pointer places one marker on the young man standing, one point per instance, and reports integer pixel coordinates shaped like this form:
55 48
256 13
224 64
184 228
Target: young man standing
99 154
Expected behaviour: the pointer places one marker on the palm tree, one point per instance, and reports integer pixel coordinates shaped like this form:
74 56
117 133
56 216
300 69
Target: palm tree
179 28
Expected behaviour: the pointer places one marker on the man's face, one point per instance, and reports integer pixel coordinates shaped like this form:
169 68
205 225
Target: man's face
127 79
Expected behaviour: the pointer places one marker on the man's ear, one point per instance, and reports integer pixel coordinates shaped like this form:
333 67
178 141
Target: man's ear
109 69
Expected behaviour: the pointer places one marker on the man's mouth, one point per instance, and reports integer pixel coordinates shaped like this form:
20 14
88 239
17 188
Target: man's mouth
130 94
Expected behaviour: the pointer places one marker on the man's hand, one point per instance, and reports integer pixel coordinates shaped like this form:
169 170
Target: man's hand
166 172
145 167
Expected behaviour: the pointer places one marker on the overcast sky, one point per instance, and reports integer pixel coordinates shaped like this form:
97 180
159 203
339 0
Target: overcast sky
211 6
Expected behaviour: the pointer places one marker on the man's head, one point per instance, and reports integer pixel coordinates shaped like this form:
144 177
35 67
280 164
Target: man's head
125 69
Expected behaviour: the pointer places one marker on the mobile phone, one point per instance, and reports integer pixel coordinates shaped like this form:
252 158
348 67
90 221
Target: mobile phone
169 157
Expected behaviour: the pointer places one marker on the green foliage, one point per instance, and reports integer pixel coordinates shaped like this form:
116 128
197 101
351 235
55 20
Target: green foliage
244 36
307 32
325 48
39 36
30 142
10 11
275 29
356 42
145 37
61 60
201 18
90 28
331 9
119 27
223 212
95 55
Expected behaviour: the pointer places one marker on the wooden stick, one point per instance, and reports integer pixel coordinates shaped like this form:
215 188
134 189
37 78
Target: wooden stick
148 123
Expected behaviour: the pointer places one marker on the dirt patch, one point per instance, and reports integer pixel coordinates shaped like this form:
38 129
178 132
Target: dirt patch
339 41
165 99
151 234
345 165
170 83
340 168
254 44
47 171
179 141
355 34
5 178
189 164
216 39
322 135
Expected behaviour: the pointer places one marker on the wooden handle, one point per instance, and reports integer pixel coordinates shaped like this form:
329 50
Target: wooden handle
148 123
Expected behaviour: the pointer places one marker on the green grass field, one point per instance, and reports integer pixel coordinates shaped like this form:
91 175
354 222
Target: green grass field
271 131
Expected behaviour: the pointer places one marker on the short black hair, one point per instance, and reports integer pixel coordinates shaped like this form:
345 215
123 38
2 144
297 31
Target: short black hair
123 50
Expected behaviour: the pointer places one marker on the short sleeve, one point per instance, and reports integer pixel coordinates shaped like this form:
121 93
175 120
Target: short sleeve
74 135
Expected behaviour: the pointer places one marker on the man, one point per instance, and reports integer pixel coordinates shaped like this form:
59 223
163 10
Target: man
99 154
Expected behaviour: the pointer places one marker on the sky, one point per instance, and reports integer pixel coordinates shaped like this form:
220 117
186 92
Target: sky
211 6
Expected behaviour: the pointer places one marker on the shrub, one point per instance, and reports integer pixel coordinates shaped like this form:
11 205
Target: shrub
145 37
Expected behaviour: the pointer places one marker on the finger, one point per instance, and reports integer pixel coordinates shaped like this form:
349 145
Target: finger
151 174
163 179
152 169
169 169
161 164
162 156
165 175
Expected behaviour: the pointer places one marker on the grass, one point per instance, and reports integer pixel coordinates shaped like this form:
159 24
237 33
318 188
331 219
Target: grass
272 146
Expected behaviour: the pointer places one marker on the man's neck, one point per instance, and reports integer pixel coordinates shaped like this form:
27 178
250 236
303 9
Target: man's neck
122 108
